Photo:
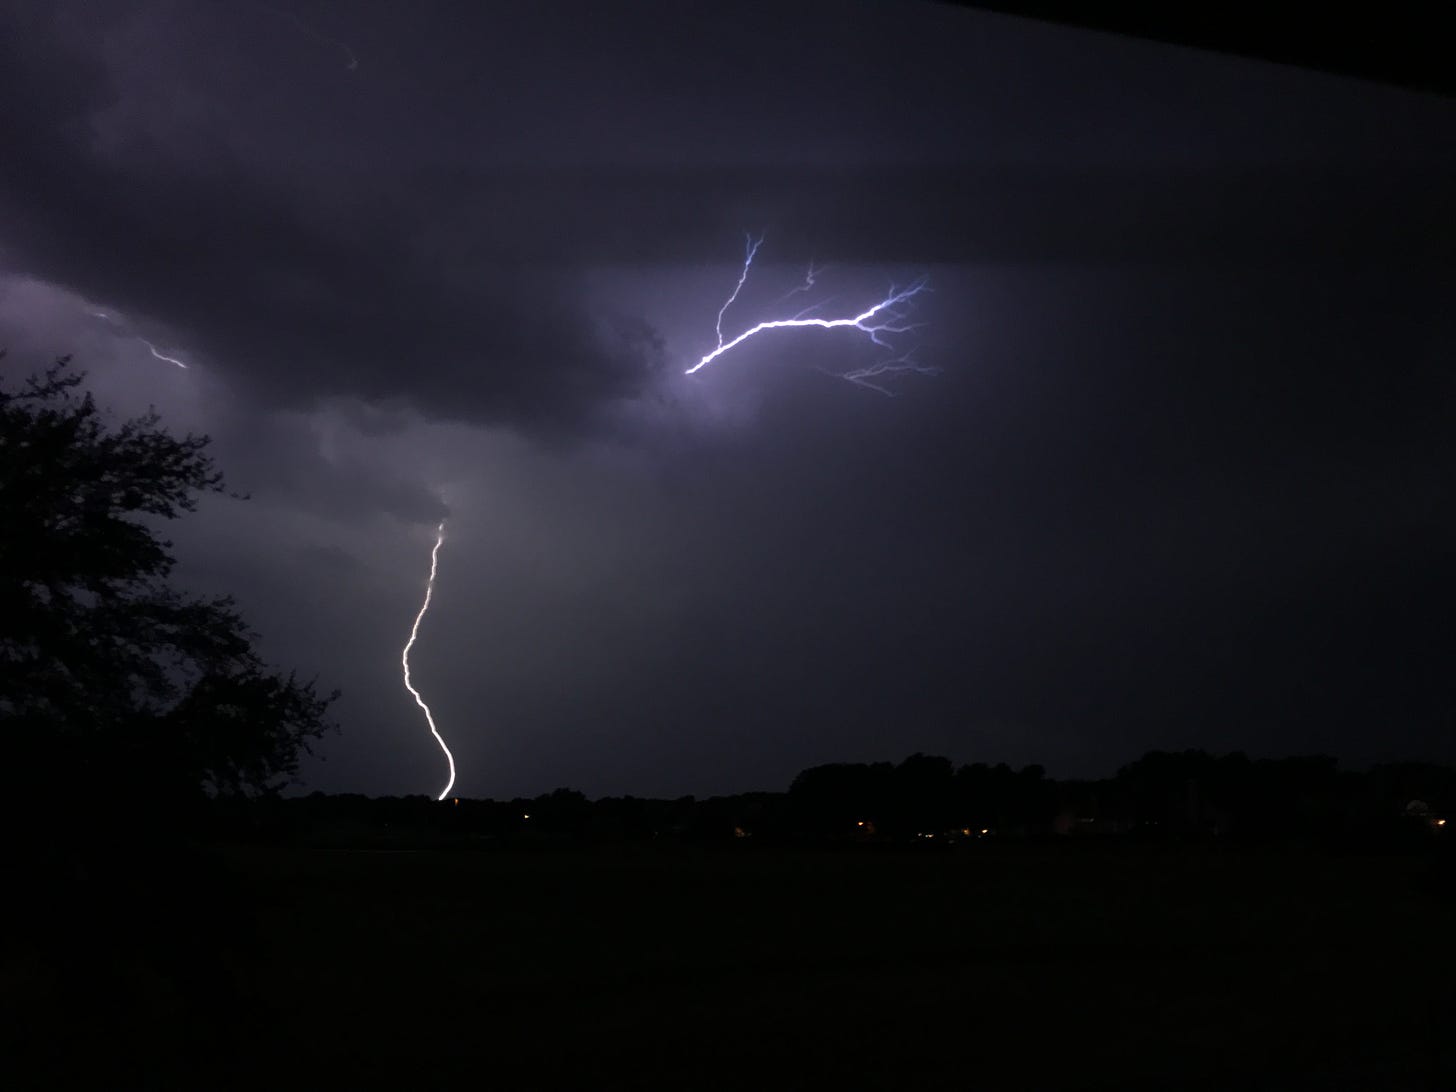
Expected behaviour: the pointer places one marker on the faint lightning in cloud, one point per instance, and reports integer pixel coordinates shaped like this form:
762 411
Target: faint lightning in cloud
905 362
404 659
109 318
808 284
322 39
753 245
161 355
815 306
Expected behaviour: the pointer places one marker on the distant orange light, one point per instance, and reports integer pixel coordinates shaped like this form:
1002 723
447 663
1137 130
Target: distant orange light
1440 822
527 816
985 830
860 823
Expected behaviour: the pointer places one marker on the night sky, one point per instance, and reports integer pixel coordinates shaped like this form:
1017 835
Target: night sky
1184 479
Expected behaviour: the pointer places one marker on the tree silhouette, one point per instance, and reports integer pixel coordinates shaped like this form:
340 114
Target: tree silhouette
107 674
125 705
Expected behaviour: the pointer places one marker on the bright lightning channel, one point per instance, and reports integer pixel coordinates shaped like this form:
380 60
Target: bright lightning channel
889 316
404 659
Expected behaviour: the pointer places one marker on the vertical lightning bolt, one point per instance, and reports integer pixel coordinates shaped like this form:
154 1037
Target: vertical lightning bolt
404 659
891 315
753 245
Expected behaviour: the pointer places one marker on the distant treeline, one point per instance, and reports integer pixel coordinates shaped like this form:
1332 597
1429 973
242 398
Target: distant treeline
925 801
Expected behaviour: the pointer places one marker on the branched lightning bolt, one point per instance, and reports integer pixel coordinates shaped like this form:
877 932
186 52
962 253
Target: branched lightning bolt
753 245
404 659
889 316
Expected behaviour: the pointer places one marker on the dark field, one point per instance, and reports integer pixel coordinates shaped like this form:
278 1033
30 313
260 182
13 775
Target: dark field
1019 966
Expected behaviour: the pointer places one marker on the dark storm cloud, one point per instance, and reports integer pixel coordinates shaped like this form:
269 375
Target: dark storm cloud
300 315
931 213
300 300
279 456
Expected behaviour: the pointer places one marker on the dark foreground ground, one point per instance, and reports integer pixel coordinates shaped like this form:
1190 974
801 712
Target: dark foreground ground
1052 967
